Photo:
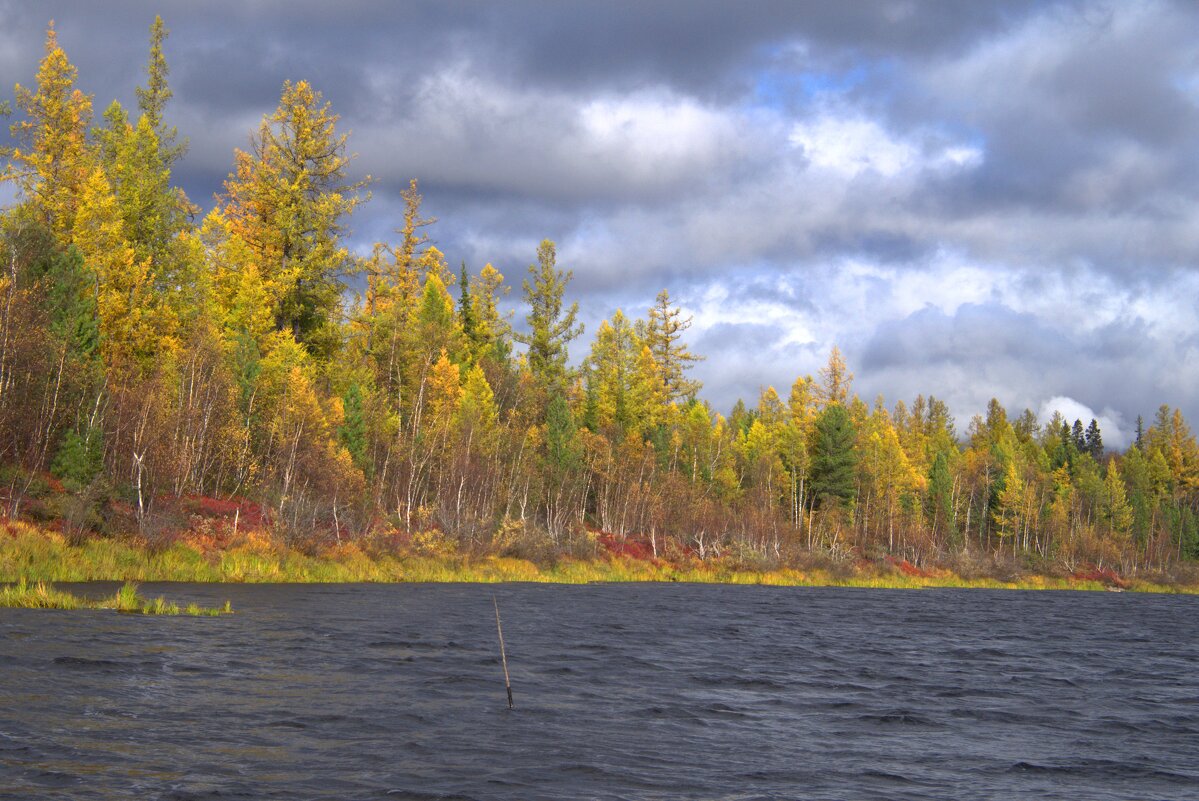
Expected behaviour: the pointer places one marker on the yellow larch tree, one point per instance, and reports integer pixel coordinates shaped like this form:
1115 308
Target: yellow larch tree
53 159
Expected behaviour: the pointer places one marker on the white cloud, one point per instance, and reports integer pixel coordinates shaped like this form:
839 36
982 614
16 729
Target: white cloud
847 144
655 130
852 145
1110 422
715 307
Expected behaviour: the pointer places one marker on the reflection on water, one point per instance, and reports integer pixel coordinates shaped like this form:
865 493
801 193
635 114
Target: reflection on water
622 691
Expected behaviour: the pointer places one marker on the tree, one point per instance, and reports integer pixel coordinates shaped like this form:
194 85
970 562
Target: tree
1093 440
53 159
1117 510
152 99
835 379
352 433
550 327
477 416
466 317
1010 506
939 500
436 326
663 334
625 390
491 328
608 373
887 474
834 459
411 237
153 213
134 328
289 200
561 463
1026 426
80 458
1078 437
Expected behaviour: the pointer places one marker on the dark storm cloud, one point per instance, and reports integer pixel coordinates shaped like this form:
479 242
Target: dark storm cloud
230 58
1082 110
790 169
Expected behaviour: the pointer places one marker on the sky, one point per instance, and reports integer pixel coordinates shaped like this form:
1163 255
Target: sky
972 200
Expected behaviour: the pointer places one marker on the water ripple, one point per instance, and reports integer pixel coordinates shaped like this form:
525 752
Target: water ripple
622 692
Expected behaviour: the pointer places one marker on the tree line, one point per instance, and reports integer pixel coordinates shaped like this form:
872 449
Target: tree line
149 353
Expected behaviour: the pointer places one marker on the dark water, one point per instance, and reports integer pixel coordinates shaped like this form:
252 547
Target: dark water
622 691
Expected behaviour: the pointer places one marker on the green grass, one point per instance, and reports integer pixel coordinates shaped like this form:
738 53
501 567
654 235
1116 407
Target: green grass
32 554
41 595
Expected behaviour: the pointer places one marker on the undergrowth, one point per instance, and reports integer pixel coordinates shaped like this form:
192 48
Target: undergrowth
31 554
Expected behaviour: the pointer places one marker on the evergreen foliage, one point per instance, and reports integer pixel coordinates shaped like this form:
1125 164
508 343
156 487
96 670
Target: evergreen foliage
834 458
551 326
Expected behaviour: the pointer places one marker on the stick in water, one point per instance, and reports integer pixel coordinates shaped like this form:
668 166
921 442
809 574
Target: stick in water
503 655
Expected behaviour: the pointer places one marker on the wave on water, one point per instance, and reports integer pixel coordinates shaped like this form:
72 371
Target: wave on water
621 691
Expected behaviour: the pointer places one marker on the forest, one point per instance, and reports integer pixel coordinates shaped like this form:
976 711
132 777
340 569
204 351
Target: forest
154 357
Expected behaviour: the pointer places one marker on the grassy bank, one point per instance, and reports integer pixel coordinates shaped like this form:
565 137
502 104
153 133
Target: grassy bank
40 595
31 554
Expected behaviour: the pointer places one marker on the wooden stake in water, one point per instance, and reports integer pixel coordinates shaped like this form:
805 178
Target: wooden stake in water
503 656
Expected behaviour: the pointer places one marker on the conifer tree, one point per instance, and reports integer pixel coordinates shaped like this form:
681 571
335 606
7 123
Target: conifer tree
940 497
353 428
153 97
411 237
1093 440
1009 509
551 327
477 416
153 213
608 375
1026 426
834 458
466 316
134 328
53 159
436 326
835 379
1116 507
1078 437
491 327
663 335
289 199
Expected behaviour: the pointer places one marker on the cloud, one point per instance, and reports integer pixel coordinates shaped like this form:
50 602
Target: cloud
461 129
971 199
847 146
1111 423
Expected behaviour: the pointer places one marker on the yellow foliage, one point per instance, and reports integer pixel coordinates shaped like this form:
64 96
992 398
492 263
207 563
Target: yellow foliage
135 329
445 390
434 542
53 159
477 417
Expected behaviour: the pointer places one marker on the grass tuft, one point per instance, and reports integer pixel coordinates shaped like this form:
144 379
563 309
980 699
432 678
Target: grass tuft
41 595
38 596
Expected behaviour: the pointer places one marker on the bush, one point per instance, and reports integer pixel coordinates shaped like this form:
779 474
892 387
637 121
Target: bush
79 459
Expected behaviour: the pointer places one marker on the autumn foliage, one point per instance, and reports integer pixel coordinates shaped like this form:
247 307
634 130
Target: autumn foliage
155 366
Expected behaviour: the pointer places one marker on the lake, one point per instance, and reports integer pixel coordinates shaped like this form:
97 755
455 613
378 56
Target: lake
622 692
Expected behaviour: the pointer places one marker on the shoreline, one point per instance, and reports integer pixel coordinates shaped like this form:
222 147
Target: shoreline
38 555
